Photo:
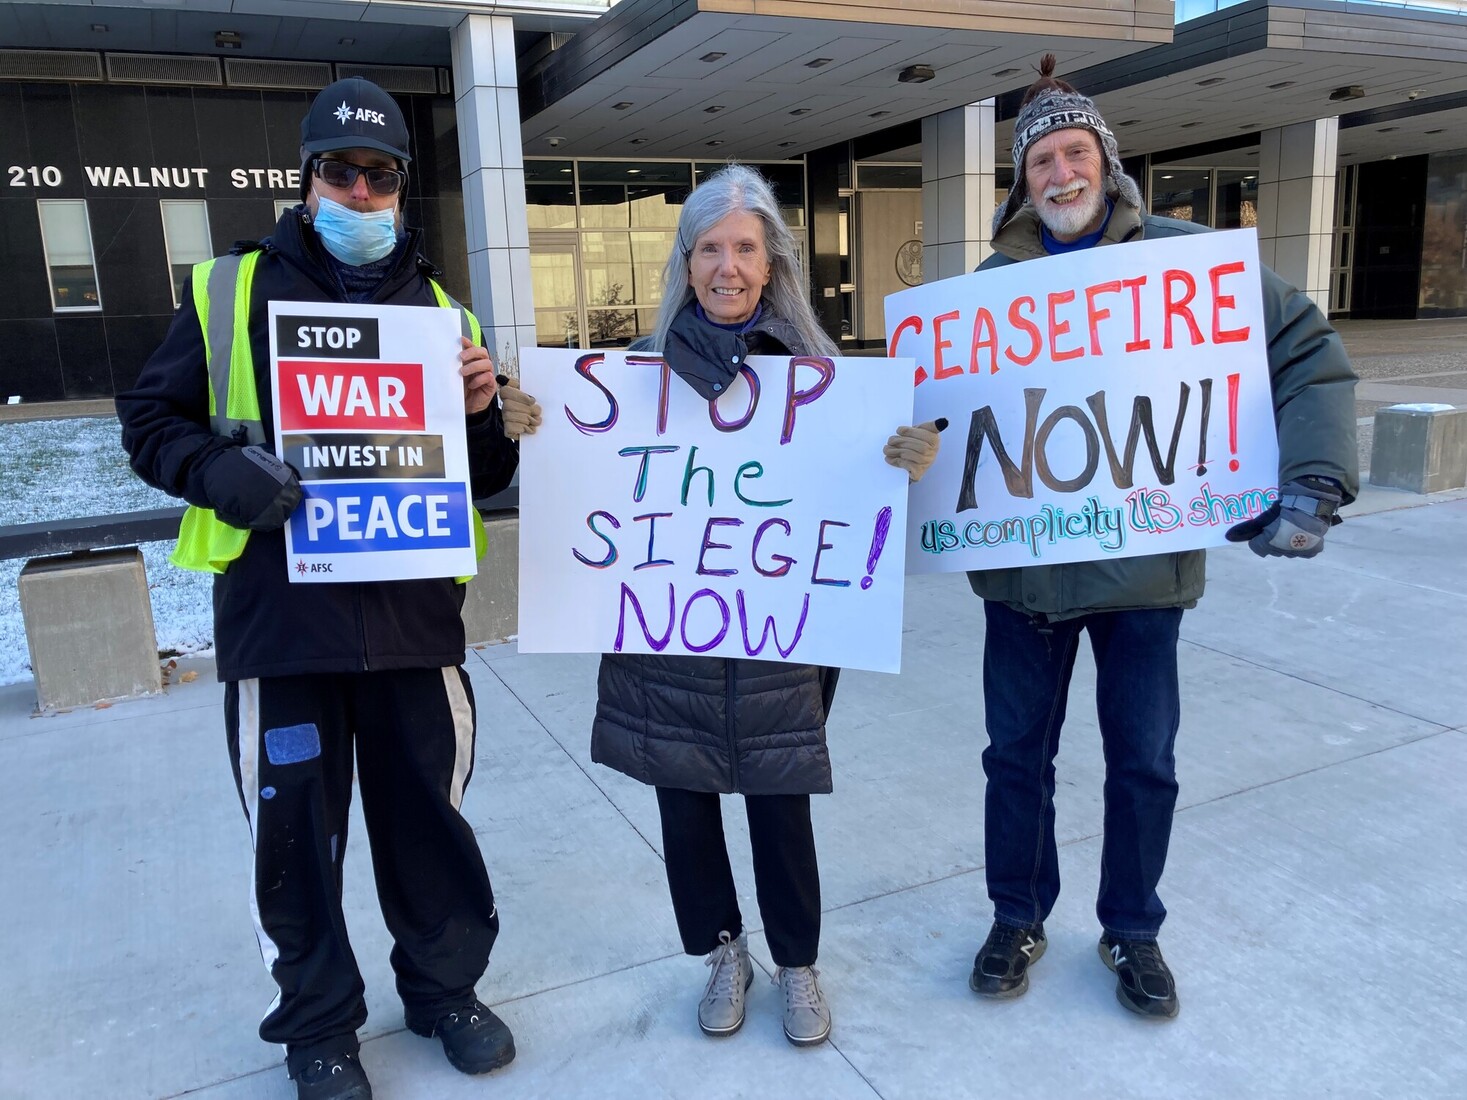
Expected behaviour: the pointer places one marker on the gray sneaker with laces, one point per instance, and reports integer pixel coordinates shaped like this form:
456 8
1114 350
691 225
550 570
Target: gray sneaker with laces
721 1011
806 1015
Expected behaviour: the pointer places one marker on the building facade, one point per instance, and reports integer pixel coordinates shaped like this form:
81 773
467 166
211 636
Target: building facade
555 142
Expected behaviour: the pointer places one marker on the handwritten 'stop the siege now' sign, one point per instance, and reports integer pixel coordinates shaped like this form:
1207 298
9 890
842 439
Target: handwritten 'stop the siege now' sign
1104 403
652 521
369 411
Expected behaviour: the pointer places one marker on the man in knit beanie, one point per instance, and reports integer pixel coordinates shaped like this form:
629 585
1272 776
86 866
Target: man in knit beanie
1075 176
1070 193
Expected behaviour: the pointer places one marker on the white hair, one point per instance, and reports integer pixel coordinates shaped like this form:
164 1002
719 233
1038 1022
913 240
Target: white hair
734 189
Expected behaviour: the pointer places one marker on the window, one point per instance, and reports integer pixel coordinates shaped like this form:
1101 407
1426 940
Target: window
66 236
1182 193
186 236
1237 198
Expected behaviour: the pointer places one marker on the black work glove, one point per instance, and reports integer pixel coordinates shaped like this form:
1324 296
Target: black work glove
1295 526
249 487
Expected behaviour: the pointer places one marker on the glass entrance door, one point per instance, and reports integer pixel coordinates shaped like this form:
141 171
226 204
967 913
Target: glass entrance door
555 278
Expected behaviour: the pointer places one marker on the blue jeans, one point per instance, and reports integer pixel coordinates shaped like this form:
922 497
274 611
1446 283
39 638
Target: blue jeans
1027 664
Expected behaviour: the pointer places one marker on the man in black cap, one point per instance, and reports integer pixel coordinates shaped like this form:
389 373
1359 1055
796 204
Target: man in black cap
1070 193
321 679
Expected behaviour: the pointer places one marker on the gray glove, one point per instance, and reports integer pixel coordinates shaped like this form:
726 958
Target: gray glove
250 488
1295 526
522 413
914 447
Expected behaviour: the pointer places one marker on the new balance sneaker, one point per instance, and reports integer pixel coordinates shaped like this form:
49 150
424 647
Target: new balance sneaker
1001 967
339 1077
806 1015
474 1039
1143 982
721 1011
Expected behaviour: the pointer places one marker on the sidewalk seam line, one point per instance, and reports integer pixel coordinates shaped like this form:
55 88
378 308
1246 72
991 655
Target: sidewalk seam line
1441 726
576 763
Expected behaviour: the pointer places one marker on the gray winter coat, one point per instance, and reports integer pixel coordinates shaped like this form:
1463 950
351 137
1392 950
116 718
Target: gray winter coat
1314 408
713 723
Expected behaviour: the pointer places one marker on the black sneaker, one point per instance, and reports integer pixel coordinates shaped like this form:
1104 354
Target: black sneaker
474 1039
339 1077
1143 982
1001 967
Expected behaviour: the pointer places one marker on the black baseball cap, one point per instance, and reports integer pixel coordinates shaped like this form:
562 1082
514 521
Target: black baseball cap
355 114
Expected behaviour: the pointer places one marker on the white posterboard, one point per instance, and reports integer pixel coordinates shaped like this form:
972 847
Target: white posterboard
653 521
369 409
1104 403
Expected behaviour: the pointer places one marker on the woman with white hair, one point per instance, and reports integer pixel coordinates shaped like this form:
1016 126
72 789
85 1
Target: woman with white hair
699 727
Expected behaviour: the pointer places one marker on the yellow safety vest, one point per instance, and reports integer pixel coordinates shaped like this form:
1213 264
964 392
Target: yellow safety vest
206 544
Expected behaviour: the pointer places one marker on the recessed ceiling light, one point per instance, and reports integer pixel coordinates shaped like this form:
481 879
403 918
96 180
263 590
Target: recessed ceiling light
1166 177
1386 129
819 62
916 74
712 144
1250 177
634 171
566 171
1281 84
100 28
346 41
1189 125
1007 72
878 114
716 55
1347 91
1210 81
1249 126
1432 131
786 144
639 141
802 110
1129 122
713 110
622 106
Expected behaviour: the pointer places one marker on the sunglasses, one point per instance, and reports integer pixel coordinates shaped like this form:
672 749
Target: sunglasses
338 173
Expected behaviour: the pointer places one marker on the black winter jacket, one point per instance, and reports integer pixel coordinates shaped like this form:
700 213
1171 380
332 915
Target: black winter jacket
263 624
713 723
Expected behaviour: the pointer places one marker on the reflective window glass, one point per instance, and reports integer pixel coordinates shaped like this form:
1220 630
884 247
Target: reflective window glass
1182 193
632 194
879 176
550 194
185 238
66 235
1237 198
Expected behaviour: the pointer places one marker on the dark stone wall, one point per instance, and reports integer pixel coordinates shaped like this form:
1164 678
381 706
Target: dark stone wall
68 128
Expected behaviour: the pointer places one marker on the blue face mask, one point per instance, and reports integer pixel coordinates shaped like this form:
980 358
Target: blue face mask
353 237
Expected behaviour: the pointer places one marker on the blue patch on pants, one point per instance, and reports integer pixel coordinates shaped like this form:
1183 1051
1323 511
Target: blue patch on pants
292 744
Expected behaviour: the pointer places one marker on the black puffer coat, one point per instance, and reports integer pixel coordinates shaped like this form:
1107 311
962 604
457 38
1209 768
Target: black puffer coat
714 723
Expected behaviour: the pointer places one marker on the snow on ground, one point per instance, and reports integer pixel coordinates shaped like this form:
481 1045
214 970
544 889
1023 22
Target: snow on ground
63 469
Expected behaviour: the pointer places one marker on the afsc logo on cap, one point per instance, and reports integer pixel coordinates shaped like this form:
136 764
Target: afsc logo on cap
345 114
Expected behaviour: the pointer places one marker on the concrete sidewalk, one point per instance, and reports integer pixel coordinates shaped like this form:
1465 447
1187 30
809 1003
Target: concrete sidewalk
1316 881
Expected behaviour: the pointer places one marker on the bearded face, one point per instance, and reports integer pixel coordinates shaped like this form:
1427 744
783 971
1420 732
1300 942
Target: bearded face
1065 174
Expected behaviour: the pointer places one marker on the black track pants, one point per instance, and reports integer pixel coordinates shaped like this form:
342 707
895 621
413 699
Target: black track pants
292 741
786 876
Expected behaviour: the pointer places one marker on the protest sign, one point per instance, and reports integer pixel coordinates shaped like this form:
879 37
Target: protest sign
1104 403
653 521
369 409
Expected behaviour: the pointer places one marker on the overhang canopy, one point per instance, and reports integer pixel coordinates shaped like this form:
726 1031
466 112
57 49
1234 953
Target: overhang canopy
1270 63
776 78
